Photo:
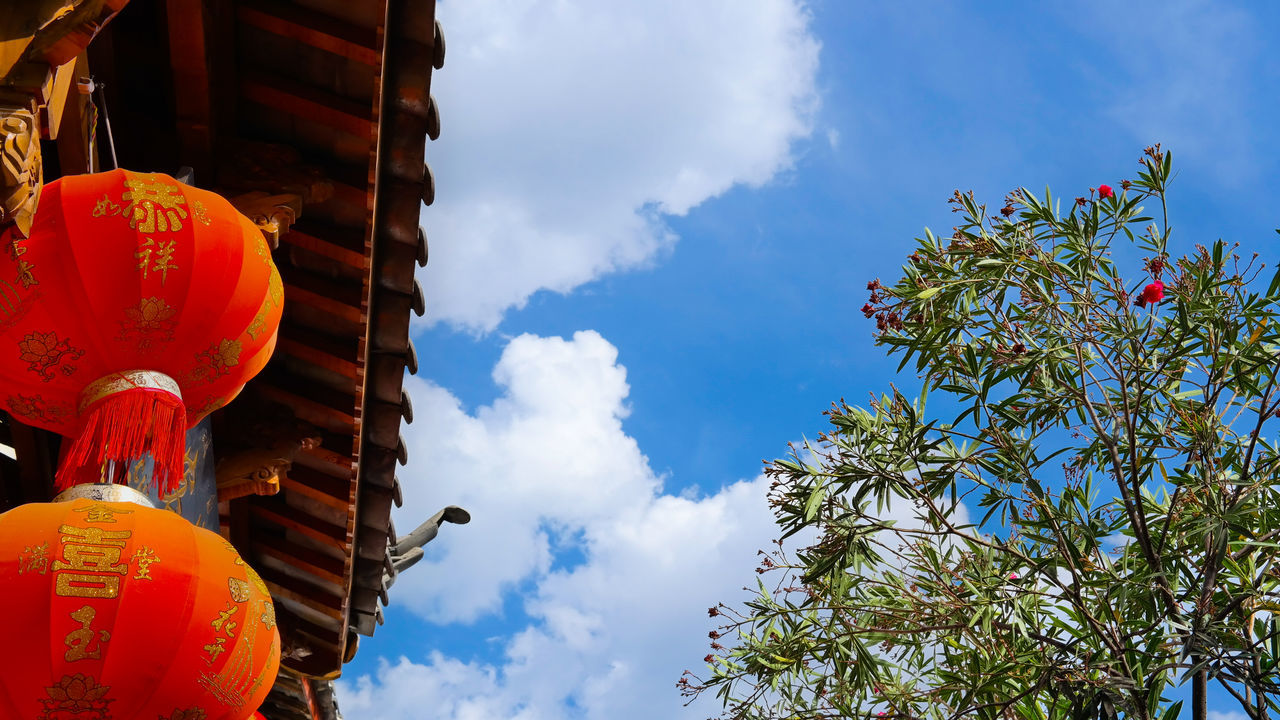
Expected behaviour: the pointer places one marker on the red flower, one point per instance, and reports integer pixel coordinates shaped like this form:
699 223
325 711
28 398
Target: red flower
1105 191
1152 293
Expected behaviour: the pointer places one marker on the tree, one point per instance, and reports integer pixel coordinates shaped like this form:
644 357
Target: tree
1087 521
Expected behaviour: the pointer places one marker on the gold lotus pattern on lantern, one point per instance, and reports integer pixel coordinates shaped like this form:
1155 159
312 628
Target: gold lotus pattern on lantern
35 407
151 320
76 696
217 360
45 351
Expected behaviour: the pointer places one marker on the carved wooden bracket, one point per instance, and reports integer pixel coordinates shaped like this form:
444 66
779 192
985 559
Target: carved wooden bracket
50 31
258 471
273 214
20 166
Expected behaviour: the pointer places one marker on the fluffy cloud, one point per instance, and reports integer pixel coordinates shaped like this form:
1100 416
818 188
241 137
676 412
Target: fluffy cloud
615 575
573 126
548 467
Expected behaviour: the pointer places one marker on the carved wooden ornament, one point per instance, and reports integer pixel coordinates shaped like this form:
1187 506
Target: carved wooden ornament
20 167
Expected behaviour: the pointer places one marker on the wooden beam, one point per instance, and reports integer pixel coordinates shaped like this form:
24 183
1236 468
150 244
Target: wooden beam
189 60
340 400
35 462
308 103
73 134
325 248
340 349
290 518
325 489
319 358
50 31
318 564
306 490
315 29
301 593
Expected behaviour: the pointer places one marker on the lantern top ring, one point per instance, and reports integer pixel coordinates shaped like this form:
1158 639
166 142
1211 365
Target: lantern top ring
125 380
104 492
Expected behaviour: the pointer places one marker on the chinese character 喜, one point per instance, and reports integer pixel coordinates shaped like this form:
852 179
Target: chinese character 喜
90 564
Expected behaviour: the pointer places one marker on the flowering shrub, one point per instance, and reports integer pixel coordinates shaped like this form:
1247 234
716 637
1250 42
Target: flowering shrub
1082 519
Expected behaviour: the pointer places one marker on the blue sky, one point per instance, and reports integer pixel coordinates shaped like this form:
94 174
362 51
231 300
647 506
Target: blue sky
654 226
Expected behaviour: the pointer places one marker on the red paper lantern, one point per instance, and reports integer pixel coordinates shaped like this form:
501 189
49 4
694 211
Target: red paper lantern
125 611
137 306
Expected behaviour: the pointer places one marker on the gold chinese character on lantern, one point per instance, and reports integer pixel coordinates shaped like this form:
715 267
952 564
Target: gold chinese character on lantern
90 564
223 622
101 513
145 557
84 643
153 205
156 257
34 559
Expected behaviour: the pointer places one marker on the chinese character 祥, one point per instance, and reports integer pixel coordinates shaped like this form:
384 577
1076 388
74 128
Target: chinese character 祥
162 261
153 206
90 564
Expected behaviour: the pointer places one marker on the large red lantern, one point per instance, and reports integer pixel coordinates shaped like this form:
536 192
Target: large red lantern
137 306
125 611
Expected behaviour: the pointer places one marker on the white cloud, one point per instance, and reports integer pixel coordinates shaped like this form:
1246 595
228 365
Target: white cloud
550 462
547 470
547 459
572 126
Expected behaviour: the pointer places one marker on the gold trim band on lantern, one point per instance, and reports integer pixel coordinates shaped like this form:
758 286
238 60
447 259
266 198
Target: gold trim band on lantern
119 382
104 492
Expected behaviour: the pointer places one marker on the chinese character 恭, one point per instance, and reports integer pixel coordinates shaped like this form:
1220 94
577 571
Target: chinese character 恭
153 205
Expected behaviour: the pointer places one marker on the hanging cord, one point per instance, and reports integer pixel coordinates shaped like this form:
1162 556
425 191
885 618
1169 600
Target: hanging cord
93 135
106 119
86 87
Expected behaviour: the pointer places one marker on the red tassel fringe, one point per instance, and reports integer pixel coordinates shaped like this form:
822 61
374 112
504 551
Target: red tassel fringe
124 427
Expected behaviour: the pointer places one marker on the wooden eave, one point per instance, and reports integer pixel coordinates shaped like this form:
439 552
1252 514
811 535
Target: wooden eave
221 86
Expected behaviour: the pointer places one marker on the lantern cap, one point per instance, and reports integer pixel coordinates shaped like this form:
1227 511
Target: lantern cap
124 381
104 492
124 416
